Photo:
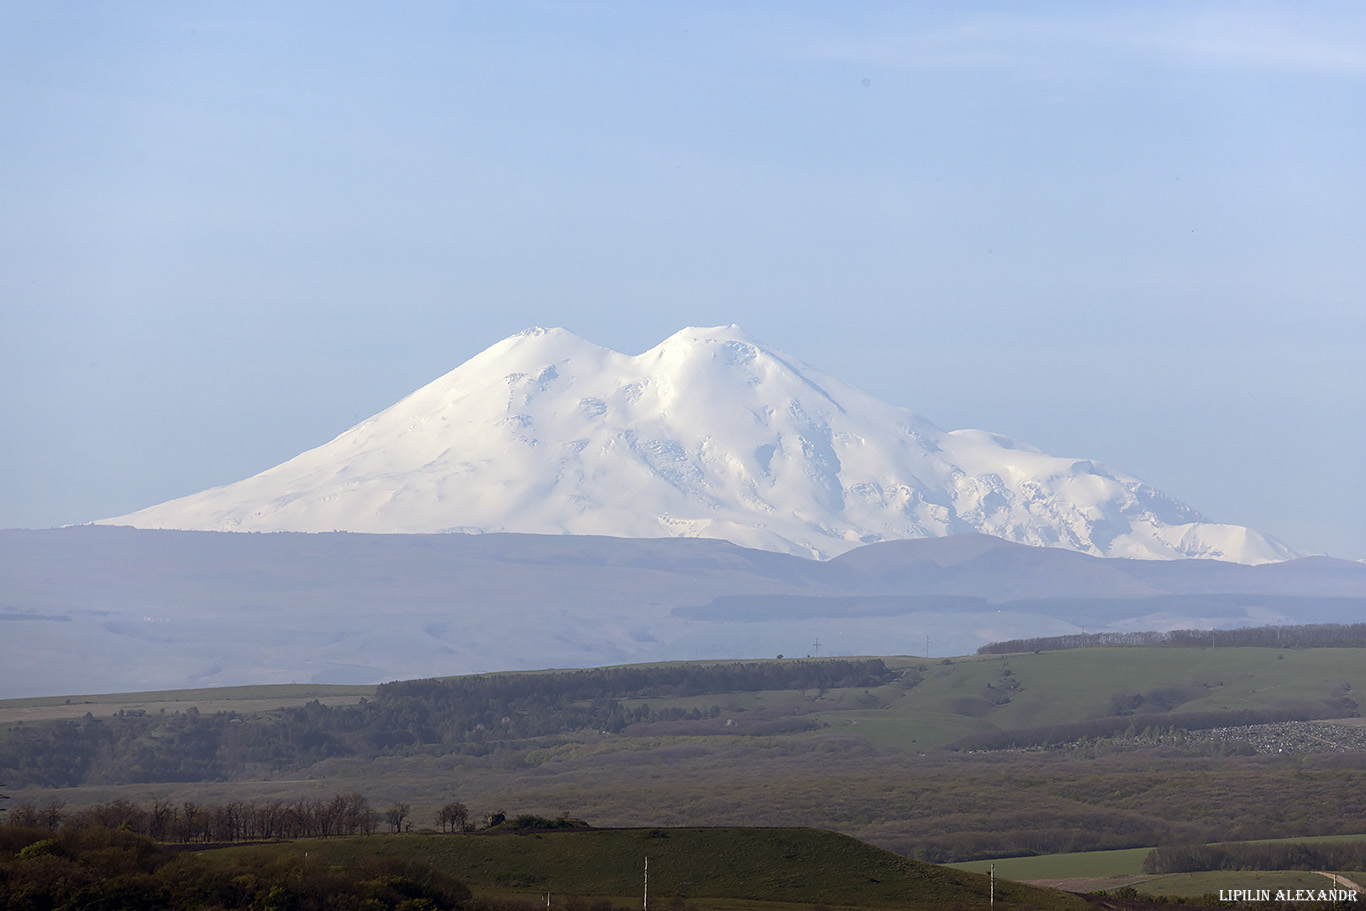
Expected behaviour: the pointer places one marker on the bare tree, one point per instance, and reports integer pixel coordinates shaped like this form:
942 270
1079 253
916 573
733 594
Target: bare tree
27 815
395 815
453 817
52 813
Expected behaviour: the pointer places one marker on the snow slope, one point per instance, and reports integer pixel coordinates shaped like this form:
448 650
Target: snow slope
709 434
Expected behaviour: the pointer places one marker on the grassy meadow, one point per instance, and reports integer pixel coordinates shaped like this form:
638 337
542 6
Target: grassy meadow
1126 862
697 868
1109 871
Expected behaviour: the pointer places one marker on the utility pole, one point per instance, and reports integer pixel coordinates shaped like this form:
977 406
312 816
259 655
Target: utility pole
993 885
646 904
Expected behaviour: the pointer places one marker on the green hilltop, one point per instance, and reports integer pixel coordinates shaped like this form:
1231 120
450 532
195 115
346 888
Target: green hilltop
688 867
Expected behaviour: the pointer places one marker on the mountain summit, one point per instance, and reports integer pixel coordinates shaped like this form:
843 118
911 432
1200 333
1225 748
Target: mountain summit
709 434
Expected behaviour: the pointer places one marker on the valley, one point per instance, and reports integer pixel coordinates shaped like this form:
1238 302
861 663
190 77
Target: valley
874 748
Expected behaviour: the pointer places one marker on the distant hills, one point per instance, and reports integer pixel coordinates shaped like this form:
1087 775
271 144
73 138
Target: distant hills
95 609
710 434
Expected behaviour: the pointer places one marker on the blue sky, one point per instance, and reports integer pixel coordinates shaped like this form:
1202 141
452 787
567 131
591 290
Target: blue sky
1132 233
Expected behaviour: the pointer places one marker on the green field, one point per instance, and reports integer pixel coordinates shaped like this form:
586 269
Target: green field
1127 862
1083 864
703 868
1111 870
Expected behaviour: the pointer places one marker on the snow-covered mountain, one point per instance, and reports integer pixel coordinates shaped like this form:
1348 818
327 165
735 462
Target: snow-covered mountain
709 434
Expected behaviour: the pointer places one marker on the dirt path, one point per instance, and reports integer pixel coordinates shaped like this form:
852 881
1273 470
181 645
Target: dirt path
1341 880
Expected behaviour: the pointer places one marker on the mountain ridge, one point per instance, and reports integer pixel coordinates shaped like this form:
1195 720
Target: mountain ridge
91 609
710 433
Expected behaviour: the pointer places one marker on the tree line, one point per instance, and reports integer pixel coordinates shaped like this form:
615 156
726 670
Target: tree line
1313 635
475 715
1344 855
213 823
194 822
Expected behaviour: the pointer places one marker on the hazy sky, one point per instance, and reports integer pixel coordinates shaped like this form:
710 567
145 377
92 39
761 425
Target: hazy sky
1128 232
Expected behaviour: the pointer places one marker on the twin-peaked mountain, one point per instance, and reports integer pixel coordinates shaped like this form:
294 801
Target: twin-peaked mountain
709 434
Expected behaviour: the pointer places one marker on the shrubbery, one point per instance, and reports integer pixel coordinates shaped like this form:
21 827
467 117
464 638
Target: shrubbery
97 868
1349 855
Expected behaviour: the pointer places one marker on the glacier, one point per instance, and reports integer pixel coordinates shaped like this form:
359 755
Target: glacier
710 434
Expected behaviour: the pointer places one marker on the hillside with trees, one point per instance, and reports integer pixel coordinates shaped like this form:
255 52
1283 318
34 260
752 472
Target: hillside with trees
1314 635
473 715
976 757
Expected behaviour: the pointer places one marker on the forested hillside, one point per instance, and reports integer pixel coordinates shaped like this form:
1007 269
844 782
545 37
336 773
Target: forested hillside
1311 635
470 715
